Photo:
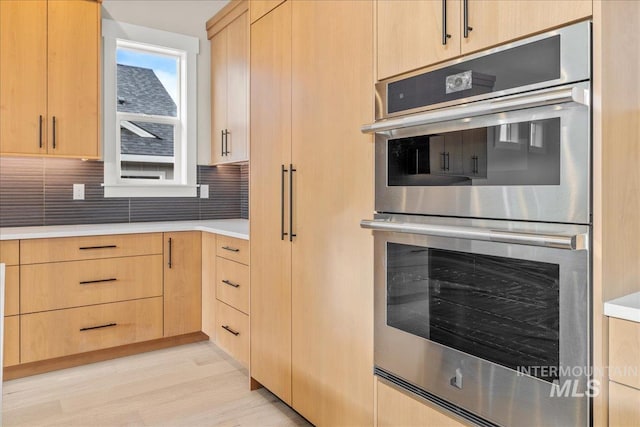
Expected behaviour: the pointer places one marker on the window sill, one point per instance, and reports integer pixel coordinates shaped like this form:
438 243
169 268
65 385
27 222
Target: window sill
150 191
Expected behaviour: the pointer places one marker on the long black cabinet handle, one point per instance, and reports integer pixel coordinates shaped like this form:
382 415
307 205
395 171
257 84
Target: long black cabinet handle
222 142
90 328
228 329
87 248
282 232
466 28
447 159
291 233
445 36
40 131
227 282
170 263
229 248
53 130
226 142
87 282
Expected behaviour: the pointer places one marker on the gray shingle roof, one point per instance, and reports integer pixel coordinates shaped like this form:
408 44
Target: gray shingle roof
140 91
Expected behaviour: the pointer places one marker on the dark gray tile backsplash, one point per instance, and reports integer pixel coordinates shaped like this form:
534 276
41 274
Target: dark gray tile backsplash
39 191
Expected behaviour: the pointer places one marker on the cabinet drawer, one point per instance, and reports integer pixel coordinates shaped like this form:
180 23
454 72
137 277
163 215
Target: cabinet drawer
624 351
92 247
11 340
624 408
232 284
233 249
232 332
73 284
77 330
9 252
12 290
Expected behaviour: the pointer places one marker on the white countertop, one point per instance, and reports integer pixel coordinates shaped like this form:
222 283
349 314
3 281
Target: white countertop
626 307
238 228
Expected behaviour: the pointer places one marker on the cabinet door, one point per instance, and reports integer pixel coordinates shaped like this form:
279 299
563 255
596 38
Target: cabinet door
73 69
332 257
209 285
410 34
11 346
499 21
624 405
182 283
237 88
270 253
23 76
453 153
218 95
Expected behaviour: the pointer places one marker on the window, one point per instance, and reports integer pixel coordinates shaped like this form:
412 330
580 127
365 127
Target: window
149 112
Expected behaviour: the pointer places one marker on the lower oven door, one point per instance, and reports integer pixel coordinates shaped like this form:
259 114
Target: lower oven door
489 316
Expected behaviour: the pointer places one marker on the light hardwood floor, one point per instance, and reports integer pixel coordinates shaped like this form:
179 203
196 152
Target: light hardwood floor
191 385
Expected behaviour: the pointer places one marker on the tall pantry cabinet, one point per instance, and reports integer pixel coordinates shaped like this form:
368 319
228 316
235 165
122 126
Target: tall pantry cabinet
311 183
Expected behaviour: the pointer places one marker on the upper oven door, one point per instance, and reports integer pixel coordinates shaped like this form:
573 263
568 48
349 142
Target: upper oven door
526 158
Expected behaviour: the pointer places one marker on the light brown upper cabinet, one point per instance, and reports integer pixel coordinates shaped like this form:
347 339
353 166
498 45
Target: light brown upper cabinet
259 8
49 78
411 33
493 22
228 33
311 183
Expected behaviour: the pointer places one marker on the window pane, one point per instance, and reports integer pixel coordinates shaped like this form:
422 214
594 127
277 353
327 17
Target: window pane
147 82
146 150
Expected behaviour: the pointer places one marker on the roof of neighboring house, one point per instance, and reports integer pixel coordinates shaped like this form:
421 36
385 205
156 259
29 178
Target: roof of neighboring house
140 91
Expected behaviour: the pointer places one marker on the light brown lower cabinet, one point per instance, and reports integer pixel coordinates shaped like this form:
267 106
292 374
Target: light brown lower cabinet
397 408
57 285
232 332
624 405
182 283
11 340
209 285
76 330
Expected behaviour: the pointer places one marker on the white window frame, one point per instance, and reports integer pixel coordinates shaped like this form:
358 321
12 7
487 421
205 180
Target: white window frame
118 34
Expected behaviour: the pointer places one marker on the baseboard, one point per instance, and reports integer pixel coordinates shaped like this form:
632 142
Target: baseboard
34 368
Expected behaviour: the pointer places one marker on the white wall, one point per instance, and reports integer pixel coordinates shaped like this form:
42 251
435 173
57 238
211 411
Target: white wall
184 17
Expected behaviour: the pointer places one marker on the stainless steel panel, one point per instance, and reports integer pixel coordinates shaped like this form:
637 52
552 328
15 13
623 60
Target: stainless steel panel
575 62
568 202
578 94
492 391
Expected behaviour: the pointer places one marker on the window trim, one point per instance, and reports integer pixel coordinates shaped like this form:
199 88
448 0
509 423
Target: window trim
186 155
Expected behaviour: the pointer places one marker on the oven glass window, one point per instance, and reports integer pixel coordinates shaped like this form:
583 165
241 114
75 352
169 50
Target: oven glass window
524 153
504 310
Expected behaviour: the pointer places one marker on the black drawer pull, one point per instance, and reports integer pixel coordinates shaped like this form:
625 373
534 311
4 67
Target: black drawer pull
228 329
229 248
108 325
226 282
86 248
86 282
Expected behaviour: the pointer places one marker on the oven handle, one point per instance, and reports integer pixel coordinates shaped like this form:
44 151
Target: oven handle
576 242
553 96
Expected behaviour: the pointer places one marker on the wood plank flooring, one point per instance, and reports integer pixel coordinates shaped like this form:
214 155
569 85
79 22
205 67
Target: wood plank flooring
190 385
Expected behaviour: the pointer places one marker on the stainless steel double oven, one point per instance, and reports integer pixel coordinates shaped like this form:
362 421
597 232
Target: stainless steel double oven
482 232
